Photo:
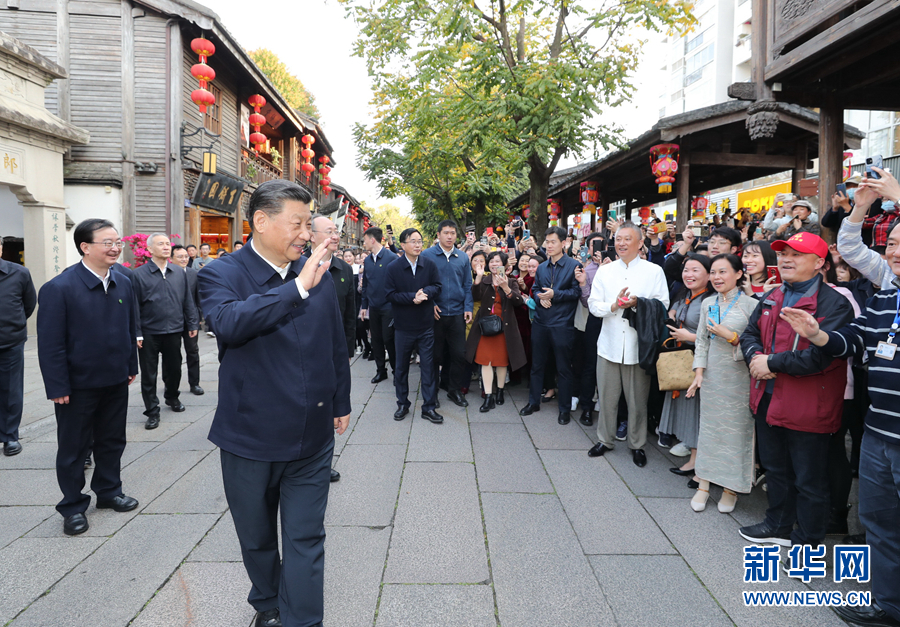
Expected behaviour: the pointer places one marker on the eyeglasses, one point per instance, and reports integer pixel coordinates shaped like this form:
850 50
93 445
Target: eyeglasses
109 243
329 232
414 242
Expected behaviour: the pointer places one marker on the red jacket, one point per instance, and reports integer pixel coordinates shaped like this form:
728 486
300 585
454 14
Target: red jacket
808 392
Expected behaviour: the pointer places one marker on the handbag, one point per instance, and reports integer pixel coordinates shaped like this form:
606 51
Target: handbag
675 367
491 325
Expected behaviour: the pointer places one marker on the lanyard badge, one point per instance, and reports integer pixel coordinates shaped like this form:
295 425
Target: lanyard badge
887 350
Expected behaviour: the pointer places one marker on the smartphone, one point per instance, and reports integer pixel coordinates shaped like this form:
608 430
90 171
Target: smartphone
388 228
583 254
696 230
612 214
704 230
874 161
609 254
772 271
484 240
660 228
596 245
841 188
489 230
714 313
526 234
679 237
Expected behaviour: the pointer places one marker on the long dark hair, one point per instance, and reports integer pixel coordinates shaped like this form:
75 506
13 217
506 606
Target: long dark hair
704 261
765 249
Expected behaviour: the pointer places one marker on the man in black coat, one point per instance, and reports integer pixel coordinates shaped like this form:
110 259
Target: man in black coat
191 348
374 305
411 285
17 302
324 230
87 350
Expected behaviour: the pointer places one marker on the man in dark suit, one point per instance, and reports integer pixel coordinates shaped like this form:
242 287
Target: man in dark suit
17 303
374 304
87 350
284 388
191 348
411 286
324 230
167 309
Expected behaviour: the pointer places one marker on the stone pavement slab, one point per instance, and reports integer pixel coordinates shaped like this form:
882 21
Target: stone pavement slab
436 606
220 544
34 456
451 444
17 520
377 425
652 590
437 501
541 576
135 431
506 461
97 594
354 563
199 491
367 492
194 437
504 413
654 479
547 433
29 487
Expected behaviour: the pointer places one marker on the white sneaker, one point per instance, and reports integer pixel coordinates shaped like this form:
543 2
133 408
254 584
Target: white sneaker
680 450
574 403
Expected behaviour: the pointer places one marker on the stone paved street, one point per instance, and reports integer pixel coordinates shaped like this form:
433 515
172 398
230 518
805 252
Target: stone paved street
486 520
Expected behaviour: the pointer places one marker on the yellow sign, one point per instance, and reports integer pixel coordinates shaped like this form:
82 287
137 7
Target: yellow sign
761 198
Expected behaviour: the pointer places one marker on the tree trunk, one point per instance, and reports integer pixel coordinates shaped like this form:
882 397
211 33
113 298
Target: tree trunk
539 176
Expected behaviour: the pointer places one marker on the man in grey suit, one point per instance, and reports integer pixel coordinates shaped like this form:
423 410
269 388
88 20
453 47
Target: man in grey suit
181 257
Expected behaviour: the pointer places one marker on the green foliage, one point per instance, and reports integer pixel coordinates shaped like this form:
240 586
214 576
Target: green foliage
289 85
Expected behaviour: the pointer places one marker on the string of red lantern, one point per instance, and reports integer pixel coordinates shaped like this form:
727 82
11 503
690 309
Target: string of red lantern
257 119
307 154
324 171
203 73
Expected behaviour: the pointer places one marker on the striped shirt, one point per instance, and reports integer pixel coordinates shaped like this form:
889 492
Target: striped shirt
865 260
862 336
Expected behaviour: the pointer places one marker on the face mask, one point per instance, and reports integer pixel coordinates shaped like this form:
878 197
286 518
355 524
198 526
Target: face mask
851 192
888 205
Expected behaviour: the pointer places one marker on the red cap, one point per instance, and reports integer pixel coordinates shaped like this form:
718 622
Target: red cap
804 243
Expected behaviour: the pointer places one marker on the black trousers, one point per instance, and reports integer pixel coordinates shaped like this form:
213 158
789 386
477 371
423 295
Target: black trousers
295 581
12 390
450 346
557 341
192 356
169 346
382 338
99 413
584 361
796 464
424 343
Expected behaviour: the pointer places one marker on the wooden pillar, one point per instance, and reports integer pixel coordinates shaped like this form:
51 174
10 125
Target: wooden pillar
194 226
174 172
289 163
683 190
799 172
629 205
831 149
64 97
129 192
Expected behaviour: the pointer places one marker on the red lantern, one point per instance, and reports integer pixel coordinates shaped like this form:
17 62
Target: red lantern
257 119
324 182
307 153
203 73
326 190
665 166
307 168
589 193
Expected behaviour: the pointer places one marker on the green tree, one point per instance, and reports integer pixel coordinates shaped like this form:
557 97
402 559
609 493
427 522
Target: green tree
532 74
289 85
392 214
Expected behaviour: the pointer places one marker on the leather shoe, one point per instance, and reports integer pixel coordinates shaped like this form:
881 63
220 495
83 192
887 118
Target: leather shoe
75 524
152 422
693 484
598 450
498 397
401 412
196 390
529 409
379 377
11 448
639 457
871 615
269 618
682 473
335 476
433 416
458 398
176 405
120 503
587 418
564 417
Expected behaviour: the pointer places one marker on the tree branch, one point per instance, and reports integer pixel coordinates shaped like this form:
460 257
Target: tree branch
556 46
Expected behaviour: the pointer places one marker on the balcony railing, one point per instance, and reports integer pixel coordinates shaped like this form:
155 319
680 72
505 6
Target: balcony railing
257 169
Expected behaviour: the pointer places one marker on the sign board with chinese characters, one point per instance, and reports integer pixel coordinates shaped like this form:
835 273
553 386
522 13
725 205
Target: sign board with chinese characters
12 166
218 191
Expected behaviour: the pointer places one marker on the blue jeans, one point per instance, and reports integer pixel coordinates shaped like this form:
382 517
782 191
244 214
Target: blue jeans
424 342
879 511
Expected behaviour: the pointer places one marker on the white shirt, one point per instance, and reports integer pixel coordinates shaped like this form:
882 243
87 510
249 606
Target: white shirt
282 272
103 279
447 253
618 340
413 264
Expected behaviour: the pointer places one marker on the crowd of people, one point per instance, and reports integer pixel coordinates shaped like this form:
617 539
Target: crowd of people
747 346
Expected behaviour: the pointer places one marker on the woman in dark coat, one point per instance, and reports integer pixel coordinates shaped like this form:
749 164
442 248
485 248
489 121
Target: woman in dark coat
499 295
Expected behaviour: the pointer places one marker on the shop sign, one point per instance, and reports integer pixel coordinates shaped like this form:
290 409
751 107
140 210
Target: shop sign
762 198
721 202
218 191
12 164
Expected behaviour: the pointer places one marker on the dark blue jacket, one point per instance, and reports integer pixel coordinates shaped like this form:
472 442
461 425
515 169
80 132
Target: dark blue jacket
456 280
374 272
87 338
17 302
284 374
560 277
401 287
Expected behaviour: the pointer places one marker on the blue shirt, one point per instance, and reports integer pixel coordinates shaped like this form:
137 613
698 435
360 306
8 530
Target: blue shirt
560 277
374 273
456 280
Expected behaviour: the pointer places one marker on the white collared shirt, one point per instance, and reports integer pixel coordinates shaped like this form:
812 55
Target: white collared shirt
412 264
282 272
618 340
447 253
103 279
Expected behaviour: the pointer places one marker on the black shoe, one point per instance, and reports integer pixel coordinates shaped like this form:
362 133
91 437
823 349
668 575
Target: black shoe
762 533
622 431
498 397
335 476
587 418
458 398
837 522
639 457
269 618
598 450
564 418
176 405
681 473
854 538
379 377
371 357
547 399
119 503
529 409
366 354
667 440
87 462
437 403
693 484
196 390
11 448
401 412
75 524
433 416
871 615
488 404
152 422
